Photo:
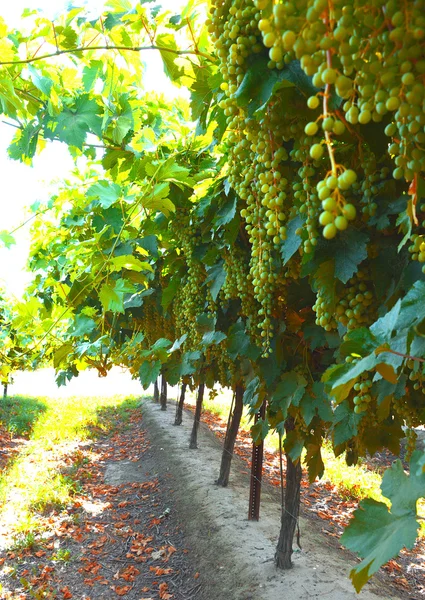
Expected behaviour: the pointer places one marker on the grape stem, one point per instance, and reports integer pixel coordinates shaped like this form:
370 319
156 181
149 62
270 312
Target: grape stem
407 356
326 97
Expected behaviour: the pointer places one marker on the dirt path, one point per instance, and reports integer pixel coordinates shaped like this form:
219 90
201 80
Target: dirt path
238 553
121 537
148 523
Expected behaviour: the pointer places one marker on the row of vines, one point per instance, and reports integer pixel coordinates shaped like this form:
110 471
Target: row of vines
267 235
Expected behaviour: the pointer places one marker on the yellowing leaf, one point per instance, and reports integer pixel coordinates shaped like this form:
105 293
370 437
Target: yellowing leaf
129 262
387 372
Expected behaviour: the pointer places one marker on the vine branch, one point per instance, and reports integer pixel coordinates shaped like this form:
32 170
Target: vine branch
105 47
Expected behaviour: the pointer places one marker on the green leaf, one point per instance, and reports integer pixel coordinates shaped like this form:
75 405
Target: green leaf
383 328
112 297
205 323
239 343
404 490
82 326
44 84
24 143
358 341
150 244
349 251
417 463
325 283
260 83
226 213
378 534
149 372
106 192
213 337
91 73
412 310
7 239
346 252
345 423
61 353
215 279
250 396
169 292
161 344
289 390
350 372
293 240
73 124
201 95
168 46
314 403
260 430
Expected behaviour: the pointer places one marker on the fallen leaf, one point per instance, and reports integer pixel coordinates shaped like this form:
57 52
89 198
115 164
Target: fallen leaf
121 590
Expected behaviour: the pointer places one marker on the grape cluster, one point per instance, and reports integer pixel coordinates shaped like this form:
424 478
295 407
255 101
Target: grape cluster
238 285
362 398
355 306
190 299
417 248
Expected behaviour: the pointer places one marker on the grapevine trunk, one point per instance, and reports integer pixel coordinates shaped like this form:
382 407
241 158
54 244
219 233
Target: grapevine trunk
290 511
193 445
231 434
163 397
179 409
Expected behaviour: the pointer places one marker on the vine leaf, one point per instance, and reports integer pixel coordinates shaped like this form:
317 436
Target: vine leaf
378 534
73 124
387 372
347 252
324 281
345 424
314 462
44 84
112 297
7 239
61 353
215 279
260 83
171 69
149 372
351 250
293 240
106 192
129 262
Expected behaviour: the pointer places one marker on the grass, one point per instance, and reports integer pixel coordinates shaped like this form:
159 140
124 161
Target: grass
36 480
18 414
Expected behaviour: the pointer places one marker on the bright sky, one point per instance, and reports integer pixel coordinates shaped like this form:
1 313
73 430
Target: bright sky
23 185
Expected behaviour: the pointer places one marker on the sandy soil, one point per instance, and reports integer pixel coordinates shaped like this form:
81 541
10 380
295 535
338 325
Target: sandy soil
237 553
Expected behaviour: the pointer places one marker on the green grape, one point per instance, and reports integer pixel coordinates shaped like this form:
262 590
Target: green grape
329 231
316 151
